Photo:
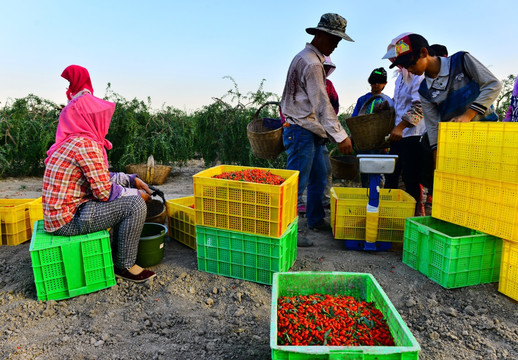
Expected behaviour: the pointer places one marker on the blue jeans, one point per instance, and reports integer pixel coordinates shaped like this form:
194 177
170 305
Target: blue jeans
305 155
327 191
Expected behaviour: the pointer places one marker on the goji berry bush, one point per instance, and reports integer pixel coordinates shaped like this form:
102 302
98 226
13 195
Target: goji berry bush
214 133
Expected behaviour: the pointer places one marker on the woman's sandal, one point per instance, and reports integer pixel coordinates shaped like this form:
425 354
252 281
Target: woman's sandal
144 275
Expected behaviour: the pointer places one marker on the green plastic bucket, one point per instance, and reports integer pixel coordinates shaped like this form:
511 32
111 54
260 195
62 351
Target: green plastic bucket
151 244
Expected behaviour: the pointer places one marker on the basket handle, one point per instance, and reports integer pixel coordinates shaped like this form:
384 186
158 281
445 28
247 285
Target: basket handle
157 192
365 106
268 103
332 152
150 169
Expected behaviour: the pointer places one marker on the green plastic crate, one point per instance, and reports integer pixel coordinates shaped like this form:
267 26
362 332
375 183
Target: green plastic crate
449 254
67 266
245 256
362 287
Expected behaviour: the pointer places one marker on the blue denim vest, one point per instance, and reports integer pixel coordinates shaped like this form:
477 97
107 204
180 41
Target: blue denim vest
460 92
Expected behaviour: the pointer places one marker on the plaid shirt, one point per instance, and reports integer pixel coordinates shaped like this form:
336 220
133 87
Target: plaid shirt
74 174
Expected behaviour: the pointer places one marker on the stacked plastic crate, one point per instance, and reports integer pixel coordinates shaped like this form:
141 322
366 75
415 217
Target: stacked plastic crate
181 220
245 230
476 187
349 211
16 221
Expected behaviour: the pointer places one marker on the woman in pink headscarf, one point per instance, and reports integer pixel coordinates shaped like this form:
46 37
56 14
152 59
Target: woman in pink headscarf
80 195
90 117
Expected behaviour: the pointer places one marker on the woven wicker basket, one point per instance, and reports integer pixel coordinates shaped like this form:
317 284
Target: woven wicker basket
343 166
265 142
368 132
150 173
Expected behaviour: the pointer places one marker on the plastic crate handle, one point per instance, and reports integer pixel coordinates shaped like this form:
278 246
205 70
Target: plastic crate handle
346 355
423 230
72 254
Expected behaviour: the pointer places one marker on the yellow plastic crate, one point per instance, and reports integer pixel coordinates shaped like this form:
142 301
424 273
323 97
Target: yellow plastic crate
349 209
260 209
485 150
508 284
181 220
15 221
35 211
488 206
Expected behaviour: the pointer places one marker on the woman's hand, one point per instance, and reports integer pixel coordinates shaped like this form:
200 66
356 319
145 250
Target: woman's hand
144 191
141 185
144 195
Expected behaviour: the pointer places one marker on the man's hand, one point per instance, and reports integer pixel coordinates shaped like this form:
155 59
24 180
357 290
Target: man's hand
397 133
468 115
346 146
461 118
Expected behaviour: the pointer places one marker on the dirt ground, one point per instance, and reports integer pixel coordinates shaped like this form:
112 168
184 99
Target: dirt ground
188 314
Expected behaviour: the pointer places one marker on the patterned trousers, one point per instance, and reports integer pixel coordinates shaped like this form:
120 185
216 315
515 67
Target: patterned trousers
125 215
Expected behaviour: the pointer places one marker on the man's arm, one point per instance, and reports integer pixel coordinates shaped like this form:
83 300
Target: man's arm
489 87
324 112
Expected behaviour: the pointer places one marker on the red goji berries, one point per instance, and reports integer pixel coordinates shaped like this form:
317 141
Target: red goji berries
252 175
330 320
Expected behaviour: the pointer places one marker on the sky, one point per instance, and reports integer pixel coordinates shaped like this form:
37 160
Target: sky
180 53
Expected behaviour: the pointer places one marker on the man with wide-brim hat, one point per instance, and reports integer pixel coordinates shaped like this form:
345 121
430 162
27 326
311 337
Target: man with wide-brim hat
333 24
310 118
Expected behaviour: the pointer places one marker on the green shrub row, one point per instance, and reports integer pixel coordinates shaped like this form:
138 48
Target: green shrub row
214 133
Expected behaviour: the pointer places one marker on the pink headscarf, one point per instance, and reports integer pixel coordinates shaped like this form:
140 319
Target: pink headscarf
79 79
84 116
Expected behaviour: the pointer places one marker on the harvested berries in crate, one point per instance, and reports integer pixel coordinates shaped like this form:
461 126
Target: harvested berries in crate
330 320
258 176
349 313
264 207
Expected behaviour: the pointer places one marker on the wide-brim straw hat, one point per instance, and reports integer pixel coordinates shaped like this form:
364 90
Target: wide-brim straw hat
333 24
